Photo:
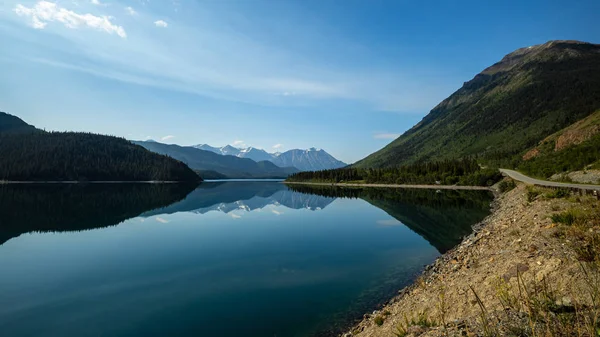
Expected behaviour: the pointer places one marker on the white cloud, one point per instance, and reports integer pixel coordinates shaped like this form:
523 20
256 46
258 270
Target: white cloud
98 3
161 220
235 216
238 143
277 146
167 137
161 23
45 11
276 212
130 11
261 74
386 135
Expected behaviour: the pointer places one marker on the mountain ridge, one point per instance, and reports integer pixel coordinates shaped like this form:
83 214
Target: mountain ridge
227 165
312 159
506 109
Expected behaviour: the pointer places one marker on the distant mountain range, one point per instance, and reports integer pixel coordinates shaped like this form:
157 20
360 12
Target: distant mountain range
212 165
304 160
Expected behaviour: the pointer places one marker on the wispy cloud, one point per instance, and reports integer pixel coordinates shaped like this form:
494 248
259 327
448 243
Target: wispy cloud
277 146
167 137
161 220
238 143
44 12
386 135
261 74
98 3
161 23
130 11
235 216
276 212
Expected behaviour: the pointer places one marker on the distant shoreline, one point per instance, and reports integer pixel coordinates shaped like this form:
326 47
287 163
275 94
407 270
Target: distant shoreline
8 182
436 187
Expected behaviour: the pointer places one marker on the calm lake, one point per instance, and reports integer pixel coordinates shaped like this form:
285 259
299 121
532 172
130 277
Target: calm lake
221 259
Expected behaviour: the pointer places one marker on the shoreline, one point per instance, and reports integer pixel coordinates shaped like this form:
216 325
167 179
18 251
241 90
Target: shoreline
8 182
436 187
516 242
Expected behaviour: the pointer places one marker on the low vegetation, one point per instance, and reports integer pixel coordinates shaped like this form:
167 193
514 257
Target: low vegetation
573 158
449 172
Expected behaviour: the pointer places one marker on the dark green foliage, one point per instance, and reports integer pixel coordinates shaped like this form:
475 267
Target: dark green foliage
13 124
210 174
71 156
566 218
506 185
448 172
558 193
74 207
573 158
505 110
379 319
229 166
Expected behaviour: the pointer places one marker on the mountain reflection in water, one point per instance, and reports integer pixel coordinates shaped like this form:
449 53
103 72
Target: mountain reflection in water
441 217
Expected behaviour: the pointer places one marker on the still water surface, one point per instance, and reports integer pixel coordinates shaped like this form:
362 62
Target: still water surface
222 259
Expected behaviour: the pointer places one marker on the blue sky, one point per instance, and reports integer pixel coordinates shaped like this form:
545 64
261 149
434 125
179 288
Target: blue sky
346 76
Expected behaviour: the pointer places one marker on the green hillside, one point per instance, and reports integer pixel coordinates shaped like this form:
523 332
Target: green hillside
505 110
573 148
35 155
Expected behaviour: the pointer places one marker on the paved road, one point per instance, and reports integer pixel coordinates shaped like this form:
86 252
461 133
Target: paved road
528 180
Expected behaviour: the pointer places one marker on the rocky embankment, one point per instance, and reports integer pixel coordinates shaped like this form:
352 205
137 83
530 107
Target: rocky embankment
519 273
584 177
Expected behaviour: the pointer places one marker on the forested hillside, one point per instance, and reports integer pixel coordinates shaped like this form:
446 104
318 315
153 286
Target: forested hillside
448 172
35 155
505 110
13 124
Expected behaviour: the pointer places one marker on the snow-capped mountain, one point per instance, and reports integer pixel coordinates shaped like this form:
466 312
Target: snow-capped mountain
304 160
308 160
255 154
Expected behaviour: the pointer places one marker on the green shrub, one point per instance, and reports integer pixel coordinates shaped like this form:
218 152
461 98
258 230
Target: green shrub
567 218
558 193
506 185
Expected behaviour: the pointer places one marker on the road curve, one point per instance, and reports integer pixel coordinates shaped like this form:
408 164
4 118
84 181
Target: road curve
532 181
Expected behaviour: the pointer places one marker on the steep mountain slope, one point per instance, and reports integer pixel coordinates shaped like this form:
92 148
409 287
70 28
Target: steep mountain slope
304 160
506 109
35 155
230 166
308 160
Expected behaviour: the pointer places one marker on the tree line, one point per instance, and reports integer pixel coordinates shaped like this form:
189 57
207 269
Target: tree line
447 172
77 156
